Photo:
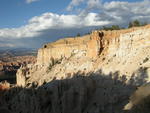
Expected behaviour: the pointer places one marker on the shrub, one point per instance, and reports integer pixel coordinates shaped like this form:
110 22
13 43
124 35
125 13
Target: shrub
54 62
78 35
136 23
113 27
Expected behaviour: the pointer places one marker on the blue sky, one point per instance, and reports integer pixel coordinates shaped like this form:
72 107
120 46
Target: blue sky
15 13
25 23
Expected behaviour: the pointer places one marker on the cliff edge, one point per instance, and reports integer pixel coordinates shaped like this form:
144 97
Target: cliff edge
124 51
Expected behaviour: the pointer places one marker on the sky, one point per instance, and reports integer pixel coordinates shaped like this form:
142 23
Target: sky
31 23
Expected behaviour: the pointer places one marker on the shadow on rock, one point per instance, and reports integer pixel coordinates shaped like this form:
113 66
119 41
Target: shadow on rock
84 93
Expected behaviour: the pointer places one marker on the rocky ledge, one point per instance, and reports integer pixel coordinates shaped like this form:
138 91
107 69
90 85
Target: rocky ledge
124 51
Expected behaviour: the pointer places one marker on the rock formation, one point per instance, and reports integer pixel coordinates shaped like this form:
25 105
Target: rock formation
138 96
119 50
95 73
10 65
65 48
96 93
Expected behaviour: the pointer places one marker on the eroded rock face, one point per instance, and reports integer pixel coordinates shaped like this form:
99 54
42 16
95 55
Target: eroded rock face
93 74
128 52
125 51
91 44
96 93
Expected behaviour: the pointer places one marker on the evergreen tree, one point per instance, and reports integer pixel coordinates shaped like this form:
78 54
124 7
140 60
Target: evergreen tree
135 23
130 25
113 27
78 35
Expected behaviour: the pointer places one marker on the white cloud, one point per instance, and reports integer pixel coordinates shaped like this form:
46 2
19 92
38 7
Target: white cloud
94 3
74 3
106 13
89 3
114 12
51 21
30 1
123 12
6 45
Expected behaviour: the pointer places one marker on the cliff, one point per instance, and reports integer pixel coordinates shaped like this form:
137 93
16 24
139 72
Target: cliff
96 73
65 48
124 50
92 44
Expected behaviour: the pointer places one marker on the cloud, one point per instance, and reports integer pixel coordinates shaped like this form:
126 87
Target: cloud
74 3
89 3
116 12
123 12
38 24
6 45
95 14
30 1
94 3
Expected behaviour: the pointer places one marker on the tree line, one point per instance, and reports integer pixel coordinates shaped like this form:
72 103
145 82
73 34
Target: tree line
135 23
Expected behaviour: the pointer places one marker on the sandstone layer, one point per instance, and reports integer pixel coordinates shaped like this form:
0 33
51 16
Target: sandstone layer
124 51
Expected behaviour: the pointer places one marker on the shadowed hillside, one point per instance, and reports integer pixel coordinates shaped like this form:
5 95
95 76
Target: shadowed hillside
92 93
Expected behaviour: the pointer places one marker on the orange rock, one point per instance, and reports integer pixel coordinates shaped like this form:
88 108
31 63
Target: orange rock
93 44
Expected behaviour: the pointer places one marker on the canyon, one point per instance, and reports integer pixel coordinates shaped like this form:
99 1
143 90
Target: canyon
11 60
103 72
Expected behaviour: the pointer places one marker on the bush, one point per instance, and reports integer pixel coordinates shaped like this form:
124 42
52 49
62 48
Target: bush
136 23
78 35
54 62
113 27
